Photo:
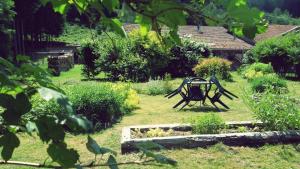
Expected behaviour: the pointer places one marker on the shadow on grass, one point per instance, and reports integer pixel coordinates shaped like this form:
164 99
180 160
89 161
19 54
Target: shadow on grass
203 109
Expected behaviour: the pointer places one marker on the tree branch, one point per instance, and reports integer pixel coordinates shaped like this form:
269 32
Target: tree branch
37 165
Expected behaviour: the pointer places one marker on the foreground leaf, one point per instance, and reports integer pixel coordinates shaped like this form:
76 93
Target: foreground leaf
9 142
63 156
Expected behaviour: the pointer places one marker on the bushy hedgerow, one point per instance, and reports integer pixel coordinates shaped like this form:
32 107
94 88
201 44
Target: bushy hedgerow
101 103
139 58
215 65
282 52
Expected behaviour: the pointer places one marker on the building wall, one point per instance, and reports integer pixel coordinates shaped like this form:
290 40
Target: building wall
235 56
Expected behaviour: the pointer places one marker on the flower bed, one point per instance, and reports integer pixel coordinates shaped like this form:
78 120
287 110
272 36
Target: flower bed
233 136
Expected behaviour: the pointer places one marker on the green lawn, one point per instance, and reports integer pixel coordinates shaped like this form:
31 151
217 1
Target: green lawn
158 110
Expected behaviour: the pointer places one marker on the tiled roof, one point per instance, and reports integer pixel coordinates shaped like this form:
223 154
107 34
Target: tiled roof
275 30
214 36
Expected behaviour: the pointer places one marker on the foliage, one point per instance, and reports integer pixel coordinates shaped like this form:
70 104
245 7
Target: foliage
278 112
218 66
119 60
158 132
282 52
75 34
18 84
89 54
6 19
256 70
150 47
282 18
102 104
207 124
268 82
184 57
158 13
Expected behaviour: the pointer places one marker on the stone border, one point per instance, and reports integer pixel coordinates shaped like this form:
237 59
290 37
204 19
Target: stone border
128 144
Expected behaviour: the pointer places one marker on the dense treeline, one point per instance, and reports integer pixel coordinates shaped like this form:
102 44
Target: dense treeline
292 6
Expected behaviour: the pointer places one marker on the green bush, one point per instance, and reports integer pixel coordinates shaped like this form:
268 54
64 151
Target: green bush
120 62
102 103
207 124
151 48
268 82
277 112
184 57
257 70
218 66
282 52
89 54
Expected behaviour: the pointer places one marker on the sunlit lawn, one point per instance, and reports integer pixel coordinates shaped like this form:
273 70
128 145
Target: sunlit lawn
158 110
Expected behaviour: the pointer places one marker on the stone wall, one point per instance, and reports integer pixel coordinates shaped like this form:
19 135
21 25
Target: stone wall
61 62
235 56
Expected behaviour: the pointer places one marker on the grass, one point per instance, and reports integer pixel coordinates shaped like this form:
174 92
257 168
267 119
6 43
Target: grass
158 110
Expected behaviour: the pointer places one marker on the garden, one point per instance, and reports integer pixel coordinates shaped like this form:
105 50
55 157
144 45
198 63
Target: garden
112 109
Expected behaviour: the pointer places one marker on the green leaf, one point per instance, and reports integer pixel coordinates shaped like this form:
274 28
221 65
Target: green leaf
115 25
9 142
49 129
79 123
15 108
112 162
63 156
49 94
60 6
31 126
111 4
94 148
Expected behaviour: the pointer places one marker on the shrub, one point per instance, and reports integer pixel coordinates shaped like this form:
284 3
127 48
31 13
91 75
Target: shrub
282 52
150 48
268 82
120 62
257 70
89 53
207 124
218 66
277 112
102 103
184 57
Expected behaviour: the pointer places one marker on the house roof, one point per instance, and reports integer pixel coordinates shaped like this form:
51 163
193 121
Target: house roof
275 30
215 37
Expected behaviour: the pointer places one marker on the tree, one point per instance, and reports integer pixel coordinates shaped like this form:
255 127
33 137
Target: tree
6 27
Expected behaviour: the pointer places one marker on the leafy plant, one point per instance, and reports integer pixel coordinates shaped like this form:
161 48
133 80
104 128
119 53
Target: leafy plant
218 66
269 82
158 132
207 124
89 53
277 112
257 70
184 57
282 52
